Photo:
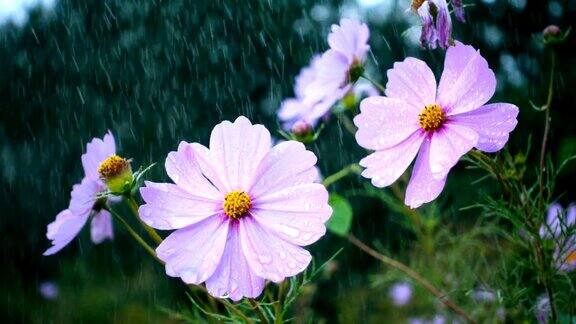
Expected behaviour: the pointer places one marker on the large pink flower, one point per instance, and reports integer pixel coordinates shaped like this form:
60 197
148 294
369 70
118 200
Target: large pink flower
83 202
242 210
439 124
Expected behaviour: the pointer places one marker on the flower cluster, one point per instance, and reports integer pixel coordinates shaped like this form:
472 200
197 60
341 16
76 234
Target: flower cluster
329 77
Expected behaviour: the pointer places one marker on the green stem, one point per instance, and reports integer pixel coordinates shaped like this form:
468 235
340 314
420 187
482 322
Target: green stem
256 308
374 82
279 305
546 108
333 178
348 124
134 207
133 233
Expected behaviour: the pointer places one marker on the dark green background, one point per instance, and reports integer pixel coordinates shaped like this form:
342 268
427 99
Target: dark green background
159 72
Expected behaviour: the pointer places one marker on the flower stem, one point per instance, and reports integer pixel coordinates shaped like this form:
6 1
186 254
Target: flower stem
374 82
348 124
256 308
335 177
134 207
546 109
412 274
279 305
133 233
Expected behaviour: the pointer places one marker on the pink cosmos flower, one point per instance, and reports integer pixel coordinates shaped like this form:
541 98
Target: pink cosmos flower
439 124
242 209
83 202
342 64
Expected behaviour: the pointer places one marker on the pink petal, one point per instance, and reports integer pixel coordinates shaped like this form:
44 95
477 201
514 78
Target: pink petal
385 122
184 169
170 207
296 214
350 38
233 277
306 77
64 229
331 75
84 196
447 145
492 122
412 81
287 164
269 256
387 165
467 82
423 187
194 252
238 148
212 169
101 227
97 151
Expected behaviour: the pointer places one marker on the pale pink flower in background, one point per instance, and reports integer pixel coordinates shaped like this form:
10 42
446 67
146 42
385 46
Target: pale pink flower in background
48 290
400 293
83 202
559 227
338 67
435 124
242 210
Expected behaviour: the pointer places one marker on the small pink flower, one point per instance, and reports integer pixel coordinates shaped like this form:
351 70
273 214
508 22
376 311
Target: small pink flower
83 202
439 124
241 208
558 224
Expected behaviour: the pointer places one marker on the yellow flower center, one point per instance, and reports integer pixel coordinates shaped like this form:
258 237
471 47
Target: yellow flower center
431 117
112 166
236 204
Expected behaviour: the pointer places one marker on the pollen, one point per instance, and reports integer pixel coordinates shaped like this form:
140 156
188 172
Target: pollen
237 204
431 118
416 4
112 166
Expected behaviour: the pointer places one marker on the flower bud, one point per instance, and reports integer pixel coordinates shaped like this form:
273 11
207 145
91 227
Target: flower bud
553 35
116 172
301 128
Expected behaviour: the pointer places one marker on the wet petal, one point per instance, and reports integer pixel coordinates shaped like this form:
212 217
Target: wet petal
443 23
384 122
387 165
97 151
167 206
296 214
64 229
423 187
287 164
84 196
492 122
239 147
233 277
194 252
467 82
350 38
101 227
412 81
447 145
184 169
269 256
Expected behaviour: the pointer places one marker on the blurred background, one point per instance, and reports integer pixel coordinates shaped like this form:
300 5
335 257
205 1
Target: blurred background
159 72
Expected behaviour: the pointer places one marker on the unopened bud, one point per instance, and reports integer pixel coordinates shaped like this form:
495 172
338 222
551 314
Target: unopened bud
553 35
116 172
301 128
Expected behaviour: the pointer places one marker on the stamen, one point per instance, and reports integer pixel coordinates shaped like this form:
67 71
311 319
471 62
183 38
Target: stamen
237 204
112 166
431 118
